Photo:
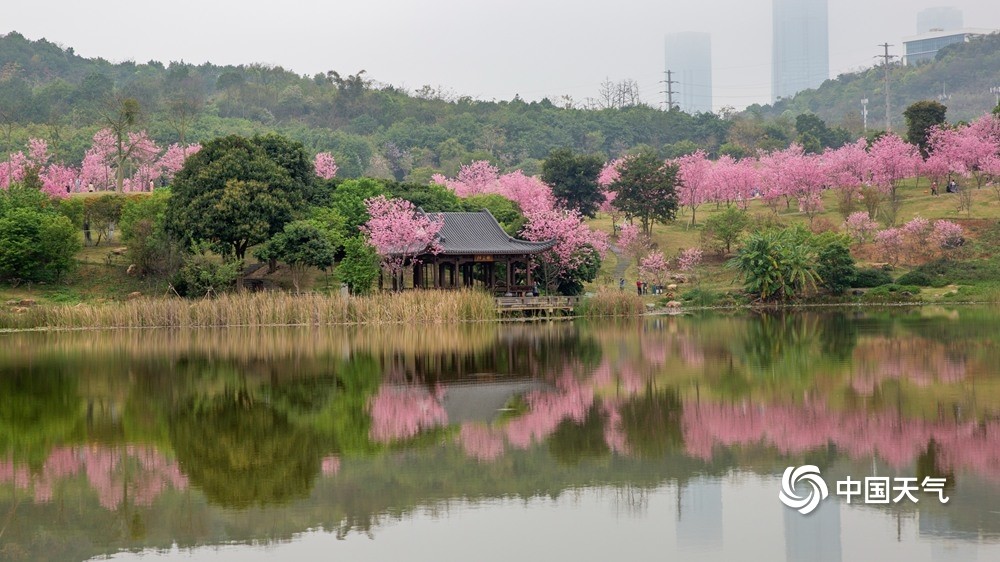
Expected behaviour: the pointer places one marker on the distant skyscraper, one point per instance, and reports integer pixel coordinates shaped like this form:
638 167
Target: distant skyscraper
940 18
689 58
800 53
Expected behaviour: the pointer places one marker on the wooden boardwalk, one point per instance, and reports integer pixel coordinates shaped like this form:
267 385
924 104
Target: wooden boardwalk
537 305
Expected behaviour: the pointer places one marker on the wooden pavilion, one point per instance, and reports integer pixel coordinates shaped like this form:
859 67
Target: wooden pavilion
477 252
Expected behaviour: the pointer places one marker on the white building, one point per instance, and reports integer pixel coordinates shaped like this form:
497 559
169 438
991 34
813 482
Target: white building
924 47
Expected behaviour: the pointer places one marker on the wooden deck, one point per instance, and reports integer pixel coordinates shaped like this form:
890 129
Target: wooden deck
537 305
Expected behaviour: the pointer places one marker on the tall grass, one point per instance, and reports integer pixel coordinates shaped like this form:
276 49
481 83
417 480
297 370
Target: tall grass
262 309
611 302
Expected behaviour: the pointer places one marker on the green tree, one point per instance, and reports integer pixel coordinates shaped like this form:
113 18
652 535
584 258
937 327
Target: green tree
36 245
360 266
37 242
920 118
150 248
349 200
647 189
237 192
573 179
834 264
302 244
722 230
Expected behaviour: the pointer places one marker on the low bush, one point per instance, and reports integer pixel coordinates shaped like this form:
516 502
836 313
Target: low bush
871 277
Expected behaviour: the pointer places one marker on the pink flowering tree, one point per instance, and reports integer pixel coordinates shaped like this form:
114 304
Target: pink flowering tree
576 256
916 235
695 181
633 241
483 178
399 233
609 173
860 227
734 181
114 156
947 235
654 268
847 168
889 244
325 165
893 159
173 159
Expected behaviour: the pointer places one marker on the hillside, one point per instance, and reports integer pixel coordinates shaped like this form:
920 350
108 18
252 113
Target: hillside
965 71
372 129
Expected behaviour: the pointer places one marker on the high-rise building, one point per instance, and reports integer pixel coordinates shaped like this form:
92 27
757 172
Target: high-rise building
689 60
940 18
800 53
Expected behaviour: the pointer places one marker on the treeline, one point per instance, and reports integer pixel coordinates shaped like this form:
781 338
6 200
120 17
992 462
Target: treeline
372 129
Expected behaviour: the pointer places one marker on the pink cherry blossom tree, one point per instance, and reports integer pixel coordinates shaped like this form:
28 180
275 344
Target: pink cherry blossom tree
577 245
860 227
654 268
609 173
893 159
325 165
734 181
399 233
695 181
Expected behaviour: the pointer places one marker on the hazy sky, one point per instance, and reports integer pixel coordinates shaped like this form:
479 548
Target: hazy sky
488 50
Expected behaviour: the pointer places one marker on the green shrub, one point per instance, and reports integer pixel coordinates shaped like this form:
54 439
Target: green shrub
893 293
35 245
871 277
915 277
205 274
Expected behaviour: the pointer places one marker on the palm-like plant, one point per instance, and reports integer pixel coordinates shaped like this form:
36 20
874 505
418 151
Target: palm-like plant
776 265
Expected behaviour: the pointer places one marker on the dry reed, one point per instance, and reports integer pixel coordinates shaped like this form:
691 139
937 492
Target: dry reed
268 308
611 302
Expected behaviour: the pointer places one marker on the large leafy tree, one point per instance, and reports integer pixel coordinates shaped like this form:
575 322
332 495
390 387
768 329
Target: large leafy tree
921 117
237 192
647 189
573 178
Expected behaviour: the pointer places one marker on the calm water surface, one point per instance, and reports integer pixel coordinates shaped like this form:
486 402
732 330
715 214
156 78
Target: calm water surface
652 440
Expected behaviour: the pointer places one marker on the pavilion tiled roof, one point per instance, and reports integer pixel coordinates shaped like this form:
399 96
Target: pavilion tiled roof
480 233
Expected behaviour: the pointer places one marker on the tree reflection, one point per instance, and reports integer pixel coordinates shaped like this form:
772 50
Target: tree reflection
240 452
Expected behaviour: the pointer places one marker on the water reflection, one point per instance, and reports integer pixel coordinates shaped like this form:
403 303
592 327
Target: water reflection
270 433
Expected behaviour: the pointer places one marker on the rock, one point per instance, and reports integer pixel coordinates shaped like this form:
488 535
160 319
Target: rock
650 306
133 295
26 302
672 287
12 302
119 251
857 292
674 304
20 309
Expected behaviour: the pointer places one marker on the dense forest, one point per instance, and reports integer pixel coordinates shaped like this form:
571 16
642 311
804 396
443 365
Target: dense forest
379 130
372 129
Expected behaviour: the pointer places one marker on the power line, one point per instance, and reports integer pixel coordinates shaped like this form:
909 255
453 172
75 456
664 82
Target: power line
670 89
887 58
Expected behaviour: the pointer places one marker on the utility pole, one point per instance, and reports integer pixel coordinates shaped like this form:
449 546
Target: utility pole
670 89
996 91
864 114
886 59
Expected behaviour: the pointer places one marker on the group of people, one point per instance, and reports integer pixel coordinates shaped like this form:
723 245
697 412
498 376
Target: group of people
950 187
641 287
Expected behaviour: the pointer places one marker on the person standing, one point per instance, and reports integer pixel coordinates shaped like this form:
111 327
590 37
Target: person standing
638 287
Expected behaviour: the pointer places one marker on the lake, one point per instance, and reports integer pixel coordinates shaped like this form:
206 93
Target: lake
655 439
